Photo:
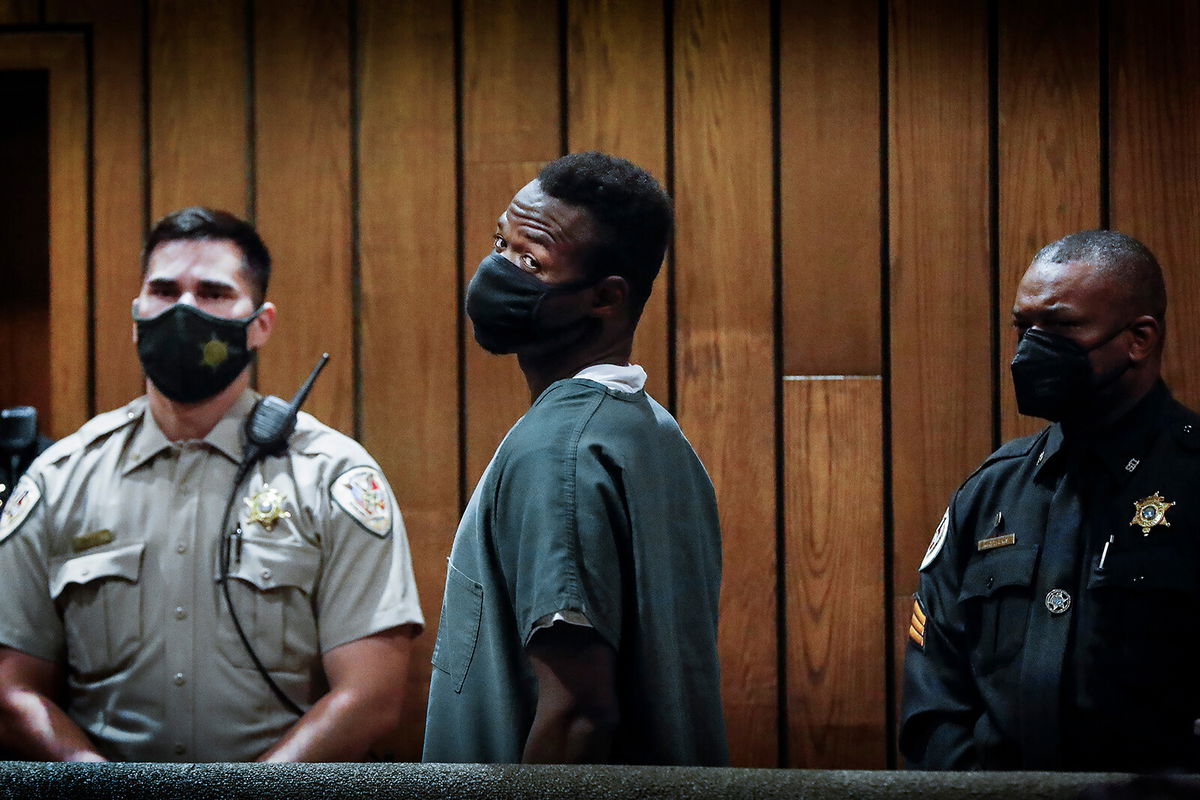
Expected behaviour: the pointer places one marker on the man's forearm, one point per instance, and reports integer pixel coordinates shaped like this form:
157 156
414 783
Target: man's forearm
34 727
342 726
563 737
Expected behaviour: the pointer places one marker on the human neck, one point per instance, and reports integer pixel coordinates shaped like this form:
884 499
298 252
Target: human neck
184 421
541 371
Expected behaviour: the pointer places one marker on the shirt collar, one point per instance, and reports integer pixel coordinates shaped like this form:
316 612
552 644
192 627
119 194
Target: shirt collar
1118 446
226 436
619 377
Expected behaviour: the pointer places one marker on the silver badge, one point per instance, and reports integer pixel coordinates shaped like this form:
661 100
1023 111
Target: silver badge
1058 601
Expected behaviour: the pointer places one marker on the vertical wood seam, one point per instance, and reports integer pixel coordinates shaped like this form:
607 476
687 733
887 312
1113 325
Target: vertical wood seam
1104 88
354 130
885 345
668 17
89 78
993 59
147 100
460 254
251 121
783 728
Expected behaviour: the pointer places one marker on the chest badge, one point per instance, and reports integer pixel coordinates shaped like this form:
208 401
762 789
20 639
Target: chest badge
266 507
1151 511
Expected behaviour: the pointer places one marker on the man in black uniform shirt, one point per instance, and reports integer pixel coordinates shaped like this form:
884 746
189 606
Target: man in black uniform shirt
1058 613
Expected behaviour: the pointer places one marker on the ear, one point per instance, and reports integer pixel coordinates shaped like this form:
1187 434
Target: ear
1147 338
611 296
260 329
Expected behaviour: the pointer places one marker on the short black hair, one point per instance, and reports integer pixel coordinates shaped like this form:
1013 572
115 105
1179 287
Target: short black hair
1119 256
199 222
631 210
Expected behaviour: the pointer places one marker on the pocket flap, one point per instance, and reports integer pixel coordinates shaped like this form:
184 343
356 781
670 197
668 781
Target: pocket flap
993 570
273 565
120 562
1154 571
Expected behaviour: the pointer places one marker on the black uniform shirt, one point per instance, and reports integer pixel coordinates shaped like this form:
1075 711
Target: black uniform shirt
1035 657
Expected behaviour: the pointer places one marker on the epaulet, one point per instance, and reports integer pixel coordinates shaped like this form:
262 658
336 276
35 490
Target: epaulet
1013 448
1185 424
98 426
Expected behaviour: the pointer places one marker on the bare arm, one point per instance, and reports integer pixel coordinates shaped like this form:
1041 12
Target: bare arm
577 710
31 723
365 700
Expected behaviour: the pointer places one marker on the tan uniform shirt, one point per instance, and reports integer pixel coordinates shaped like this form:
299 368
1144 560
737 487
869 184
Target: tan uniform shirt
109 558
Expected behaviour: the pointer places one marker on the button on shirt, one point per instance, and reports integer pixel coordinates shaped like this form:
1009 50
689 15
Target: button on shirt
114 573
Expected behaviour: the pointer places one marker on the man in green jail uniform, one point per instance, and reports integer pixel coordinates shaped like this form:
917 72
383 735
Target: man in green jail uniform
579 622
1056 622
116 641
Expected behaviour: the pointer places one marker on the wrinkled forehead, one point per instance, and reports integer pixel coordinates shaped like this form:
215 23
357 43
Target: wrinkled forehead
542 217
1075 283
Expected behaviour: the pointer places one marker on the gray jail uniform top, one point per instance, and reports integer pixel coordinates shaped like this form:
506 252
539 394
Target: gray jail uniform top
594 503
109 563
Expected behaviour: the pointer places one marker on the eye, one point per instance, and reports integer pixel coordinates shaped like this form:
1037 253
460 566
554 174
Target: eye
498 243
529 262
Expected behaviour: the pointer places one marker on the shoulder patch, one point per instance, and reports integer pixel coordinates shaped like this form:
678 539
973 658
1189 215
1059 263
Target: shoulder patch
24 497
362 493
916 624
939 539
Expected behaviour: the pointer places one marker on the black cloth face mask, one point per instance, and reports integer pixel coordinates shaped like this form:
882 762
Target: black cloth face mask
191 355
504 303
1053 377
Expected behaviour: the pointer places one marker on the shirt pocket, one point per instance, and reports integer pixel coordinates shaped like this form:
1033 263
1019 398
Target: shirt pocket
101 606
458 628
1146 599
997 593
271 586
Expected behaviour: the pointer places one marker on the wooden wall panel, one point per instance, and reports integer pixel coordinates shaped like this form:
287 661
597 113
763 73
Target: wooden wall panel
63 55
197 105
302 97
833 492
725 337
1155 129
409 310
18 12
940 280
829 179
1049 150
511 123
24 233
117 200
617 63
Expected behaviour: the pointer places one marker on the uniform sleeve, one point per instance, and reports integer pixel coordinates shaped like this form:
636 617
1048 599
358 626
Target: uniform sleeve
366 584
559 513
941 704
29 621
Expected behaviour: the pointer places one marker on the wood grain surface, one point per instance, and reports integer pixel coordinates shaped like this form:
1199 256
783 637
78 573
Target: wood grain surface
829 187
409 298
197 66
725 333
25 300
833 490
63 56
940 280
302 113
617 103
1049 151
18 12
511 123
1155 189
118 212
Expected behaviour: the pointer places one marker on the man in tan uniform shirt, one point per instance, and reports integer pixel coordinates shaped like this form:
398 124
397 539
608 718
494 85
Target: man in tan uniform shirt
116 640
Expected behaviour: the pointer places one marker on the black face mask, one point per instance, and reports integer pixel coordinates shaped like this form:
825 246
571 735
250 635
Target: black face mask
504 303
191 355
1053 377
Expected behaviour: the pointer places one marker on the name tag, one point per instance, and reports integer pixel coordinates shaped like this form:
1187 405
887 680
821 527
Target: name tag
86 541
996 541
